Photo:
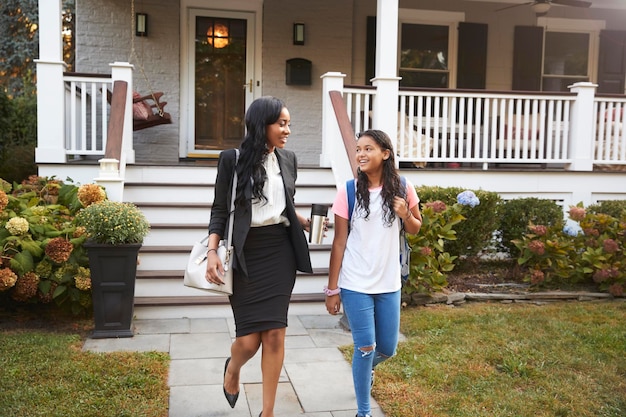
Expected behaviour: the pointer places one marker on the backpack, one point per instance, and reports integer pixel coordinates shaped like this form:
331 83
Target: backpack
405 249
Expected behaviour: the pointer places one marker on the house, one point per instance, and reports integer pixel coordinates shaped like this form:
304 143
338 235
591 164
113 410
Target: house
522 98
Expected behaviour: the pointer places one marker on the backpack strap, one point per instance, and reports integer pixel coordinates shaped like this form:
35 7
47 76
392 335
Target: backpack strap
351 191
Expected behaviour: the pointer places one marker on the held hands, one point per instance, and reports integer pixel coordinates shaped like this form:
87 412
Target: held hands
214 268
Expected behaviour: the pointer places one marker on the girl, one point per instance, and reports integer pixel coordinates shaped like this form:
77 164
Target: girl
268 241
364 269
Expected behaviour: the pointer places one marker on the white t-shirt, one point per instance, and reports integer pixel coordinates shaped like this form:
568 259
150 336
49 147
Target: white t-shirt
371 261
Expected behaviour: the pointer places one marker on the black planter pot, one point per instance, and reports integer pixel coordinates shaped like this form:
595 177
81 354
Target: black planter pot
113 273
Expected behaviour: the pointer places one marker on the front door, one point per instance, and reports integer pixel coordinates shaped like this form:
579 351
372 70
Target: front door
222 81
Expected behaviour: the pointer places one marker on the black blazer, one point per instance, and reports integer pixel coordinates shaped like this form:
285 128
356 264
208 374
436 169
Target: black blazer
243 214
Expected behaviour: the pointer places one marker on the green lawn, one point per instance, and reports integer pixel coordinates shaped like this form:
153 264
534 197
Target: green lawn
517 360
45 373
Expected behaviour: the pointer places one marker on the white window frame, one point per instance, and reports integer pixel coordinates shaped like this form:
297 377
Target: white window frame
586 26
438 18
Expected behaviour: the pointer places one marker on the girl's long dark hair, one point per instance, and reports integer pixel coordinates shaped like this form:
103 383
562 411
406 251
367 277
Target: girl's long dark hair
392 186
262 112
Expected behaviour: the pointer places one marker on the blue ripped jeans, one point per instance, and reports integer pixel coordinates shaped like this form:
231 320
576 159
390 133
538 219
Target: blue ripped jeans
375 323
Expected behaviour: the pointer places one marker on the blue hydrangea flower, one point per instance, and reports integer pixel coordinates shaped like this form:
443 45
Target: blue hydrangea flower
468 198
572 229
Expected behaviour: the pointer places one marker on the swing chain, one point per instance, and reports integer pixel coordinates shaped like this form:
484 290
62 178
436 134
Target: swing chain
133 54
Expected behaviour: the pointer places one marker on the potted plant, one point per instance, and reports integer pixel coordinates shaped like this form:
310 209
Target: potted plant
115 232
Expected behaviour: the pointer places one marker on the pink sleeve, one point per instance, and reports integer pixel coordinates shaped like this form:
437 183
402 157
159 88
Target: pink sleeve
340 206
411 194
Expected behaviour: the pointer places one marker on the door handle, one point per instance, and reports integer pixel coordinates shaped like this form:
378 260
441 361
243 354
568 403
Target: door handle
248 84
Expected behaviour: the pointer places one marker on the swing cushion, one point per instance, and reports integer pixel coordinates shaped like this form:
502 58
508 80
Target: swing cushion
141 109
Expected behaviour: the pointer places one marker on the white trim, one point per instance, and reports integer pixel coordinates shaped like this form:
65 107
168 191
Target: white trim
255 37
436 17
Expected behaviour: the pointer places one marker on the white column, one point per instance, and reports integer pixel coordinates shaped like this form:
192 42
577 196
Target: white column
581 127
386 81
124 71
50 89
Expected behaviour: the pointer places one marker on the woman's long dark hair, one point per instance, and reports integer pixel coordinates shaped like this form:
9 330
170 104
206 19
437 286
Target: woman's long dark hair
392 186
263 112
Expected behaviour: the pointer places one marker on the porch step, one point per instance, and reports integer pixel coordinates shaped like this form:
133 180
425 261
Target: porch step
177 201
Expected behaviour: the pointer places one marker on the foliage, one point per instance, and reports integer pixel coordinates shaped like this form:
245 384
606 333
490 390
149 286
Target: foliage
590 249
517 214
41 245
476 234
615 208
514 360
113 222
18 137
47 374
429 259
20 43
19 46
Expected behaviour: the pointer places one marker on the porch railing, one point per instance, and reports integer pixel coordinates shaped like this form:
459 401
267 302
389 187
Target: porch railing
461 126
86 113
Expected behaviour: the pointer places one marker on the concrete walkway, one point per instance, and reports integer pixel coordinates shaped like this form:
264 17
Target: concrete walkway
316 380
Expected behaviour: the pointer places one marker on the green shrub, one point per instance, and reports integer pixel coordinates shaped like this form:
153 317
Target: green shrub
429 259
614 208
515 216
588 249
18 137
475 234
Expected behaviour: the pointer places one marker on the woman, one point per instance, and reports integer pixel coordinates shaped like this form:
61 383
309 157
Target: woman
364 269
268 240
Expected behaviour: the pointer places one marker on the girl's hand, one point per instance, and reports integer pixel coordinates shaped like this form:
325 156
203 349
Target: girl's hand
401 207
333 304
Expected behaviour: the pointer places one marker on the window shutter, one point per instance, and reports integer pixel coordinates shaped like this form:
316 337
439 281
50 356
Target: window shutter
527 53
472 57
612 63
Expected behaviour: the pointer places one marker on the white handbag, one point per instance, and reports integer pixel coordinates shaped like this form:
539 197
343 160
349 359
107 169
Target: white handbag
195 273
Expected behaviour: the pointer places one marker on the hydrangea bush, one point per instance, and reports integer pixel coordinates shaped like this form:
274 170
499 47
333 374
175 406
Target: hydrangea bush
41 248
430 262
589 248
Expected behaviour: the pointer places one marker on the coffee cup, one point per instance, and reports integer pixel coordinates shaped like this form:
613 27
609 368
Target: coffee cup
318 220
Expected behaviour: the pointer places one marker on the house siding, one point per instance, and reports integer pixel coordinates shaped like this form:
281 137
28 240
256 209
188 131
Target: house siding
328 45
103 32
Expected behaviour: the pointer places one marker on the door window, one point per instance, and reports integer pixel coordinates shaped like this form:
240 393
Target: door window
220 76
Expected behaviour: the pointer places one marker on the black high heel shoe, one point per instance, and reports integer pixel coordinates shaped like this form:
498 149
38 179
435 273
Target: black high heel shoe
231 398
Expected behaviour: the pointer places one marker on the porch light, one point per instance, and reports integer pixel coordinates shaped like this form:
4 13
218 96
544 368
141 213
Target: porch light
141 24
541 8
298 33
217 35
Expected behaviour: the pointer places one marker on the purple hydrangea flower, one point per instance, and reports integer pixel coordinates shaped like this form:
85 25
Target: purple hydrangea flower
468 198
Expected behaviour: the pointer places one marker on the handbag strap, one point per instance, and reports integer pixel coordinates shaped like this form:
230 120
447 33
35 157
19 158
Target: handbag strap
232 199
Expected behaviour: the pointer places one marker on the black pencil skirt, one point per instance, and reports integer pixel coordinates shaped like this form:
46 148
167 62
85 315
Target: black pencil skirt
261 301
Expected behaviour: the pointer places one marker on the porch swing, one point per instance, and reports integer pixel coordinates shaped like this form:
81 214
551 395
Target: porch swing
148 110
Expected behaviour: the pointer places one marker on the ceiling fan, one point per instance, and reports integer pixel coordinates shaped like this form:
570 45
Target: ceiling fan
541 7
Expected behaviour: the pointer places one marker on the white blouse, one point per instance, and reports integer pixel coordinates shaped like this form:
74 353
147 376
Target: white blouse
270 211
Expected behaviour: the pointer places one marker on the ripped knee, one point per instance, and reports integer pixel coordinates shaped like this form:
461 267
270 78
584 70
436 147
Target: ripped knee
367 350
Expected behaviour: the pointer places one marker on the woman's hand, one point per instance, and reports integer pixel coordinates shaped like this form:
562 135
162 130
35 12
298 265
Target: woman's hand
214 268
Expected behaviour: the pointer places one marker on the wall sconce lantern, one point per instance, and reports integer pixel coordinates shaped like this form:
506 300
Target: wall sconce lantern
298 33
141 24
